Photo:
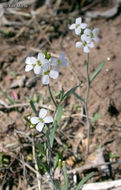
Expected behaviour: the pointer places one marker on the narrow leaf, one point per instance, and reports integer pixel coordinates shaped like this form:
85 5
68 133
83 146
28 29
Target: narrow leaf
27 120
83 181
41 149
97 71
70 92
78 97
33 107
67 184
56 124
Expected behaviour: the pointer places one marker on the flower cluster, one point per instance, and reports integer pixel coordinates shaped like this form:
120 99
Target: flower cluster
41 120
42 66
87 35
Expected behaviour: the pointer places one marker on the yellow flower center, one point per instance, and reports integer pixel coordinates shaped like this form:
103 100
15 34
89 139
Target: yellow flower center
92 35
59 61
38 62
85 43
41 120
47 72
77 25
33 65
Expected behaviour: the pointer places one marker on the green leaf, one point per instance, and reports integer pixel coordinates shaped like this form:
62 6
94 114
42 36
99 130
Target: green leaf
42 166
67 184
71 91
97 71
41 149
28 121
78 97
47 55
96 117
33 107
83 181
13 74
56 124
56 160
11 100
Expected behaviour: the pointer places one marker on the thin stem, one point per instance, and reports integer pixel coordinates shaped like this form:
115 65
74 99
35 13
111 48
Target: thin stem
87 78
49 156
35 162
49 88
85 105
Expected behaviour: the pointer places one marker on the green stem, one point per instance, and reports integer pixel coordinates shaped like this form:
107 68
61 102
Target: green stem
85 105
52 98
49 157
87 78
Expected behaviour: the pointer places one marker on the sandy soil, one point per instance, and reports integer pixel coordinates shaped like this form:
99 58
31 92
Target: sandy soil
104 97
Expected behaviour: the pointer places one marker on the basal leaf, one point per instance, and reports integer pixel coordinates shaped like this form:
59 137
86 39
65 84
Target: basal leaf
83 181
33 107
56 124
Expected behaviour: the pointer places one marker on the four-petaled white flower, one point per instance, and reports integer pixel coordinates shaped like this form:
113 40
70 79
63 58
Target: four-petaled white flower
48 73
85 44
58 62
35 64
92 34
41 120
78 26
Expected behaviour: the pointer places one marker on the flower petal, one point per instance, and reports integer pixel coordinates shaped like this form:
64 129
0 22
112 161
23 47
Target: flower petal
53 74
95 31
45 79
91 45
87 31
46 66
39 126
86 49
79 44
37 69
33 60
42 113
40 56
53 61
78 20
85 38
65 63
57 68
71 27
61 56
83 25
48 119
34 120
28 68
96 39
28 61
78 31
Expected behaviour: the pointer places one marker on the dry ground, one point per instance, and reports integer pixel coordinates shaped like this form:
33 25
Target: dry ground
104 97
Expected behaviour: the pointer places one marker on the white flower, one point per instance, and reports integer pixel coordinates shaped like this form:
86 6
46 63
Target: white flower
35 64
92 34
86 45
58 62
41 120
48 73
78 26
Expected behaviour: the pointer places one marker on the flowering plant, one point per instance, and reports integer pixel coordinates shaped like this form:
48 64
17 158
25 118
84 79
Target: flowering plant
48 67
